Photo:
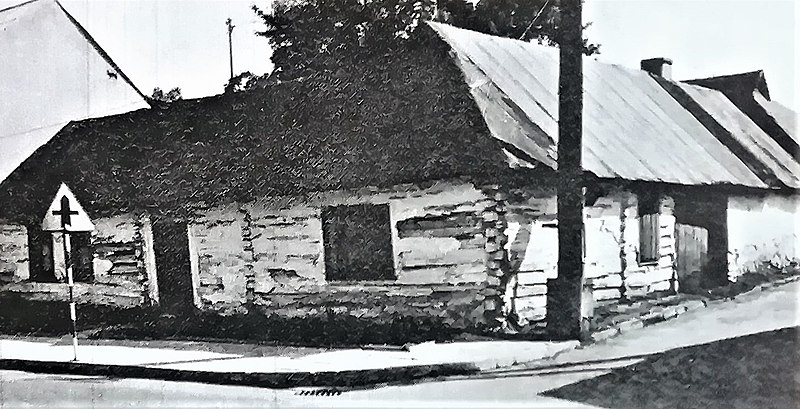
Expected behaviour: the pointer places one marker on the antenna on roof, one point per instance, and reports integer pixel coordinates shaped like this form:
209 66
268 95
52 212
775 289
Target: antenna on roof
230 25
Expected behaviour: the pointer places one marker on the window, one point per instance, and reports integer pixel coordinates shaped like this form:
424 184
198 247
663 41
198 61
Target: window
81 257
358 243
40 248
47 261
648 229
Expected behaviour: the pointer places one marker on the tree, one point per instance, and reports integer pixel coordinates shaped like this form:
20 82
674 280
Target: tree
528 20
304 33
313 35
242 82
171 96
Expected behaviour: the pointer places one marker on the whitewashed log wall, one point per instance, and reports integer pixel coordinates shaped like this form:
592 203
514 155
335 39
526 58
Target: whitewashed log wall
270 254
123 265
611 250
641 279
14 266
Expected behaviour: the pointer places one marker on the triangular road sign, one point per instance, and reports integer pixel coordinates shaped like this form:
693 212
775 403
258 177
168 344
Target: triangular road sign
66 214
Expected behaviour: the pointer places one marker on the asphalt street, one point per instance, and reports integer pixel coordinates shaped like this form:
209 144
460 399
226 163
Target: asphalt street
20 389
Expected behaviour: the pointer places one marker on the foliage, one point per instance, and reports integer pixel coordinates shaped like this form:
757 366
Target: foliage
752 371
171 96
242 82
313 36
527 20
316 35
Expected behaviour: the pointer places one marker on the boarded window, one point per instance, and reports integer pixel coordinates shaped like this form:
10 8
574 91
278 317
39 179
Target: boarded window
648 229
358 243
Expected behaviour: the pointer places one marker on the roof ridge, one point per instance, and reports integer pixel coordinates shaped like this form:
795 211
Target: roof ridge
100 50
545 48
759 71
17 5
436 23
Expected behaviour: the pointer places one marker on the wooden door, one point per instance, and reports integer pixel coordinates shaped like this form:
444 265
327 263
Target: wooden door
692 249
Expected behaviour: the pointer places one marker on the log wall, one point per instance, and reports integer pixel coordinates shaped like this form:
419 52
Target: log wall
269 255
14 266
122 264
611 250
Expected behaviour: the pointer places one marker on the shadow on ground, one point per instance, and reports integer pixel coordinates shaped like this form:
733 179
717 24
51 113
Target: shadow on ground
755 371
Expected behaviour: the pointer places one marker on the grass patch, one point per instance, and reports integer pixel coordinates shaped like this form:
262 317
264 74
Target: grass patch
754 371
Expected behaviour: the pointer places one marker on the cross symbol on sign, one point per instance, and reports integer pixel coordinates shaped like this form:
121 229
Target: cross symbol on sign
65 212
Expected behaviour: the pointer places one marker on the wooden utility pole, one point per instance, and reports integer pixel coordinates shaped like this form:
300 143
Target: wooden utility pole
564 292
230 25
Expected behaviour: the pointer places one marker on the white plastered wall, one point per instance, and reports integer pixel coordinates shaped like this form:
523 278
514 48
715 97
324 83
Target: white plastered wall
761 230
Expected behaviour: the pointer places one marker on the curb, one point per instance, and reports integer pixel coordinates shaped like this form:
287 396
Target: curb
274 380
767 286
668 312
646 320
352 378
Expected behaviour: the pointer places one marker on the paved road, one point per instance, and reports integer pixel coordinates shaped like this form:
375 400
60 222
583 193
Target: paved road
20 389
754 312
757 312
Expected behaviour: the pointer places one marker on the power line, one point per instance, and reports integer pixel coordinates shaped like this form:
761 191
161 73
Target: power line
524 33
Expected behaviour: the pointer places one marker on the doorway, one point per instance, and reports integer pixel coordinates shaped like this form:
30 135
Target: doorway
171 242
701 241
692 250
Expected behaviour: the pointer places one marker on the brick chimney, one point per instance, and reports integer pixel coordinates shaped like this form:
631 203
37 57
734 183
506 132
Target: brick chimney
658 66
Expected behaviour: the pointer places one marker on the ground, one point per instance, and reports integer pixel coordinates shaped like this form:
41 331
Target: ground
733 373
758 371
18 389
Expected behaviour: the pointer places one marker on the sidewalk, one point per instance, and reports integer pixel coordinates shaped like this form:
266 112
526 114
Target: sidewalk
761 310
283 367
268 366
754 312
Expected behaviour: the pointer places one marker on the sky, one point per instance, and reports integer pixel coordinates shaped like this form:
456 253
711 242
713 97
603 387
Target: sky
183 43
174 43
703 37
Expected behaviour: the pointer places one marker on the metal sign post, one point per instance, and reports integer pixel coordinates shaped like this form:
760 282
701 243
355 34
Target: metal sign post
73 316
66 215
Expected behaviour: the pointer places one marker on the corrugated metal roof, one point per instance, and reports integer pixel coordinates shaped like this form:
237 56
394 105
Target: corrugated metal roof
747 133
633 128
785 117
